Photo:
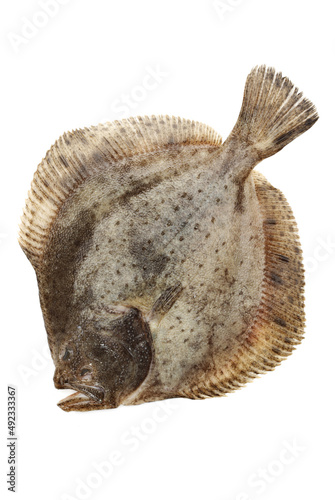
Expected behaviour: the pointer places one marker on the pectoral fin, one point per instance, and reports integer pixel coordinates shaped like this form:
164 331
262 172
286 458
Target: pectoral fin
164 303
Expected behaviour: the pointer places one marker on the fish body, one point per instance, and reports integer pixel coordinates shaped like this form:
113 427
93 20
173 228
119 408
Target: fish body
168 267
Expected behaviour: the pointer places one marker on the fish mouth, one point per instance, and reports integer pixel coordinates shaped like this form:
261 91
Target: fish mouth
87 397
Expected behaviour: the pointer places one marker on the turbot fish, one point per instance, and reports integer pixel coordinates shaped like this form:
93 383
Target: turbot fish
167 266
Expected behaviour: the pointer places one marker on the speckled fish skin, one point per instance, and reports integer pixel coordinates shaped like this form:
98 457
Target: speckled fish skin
168 267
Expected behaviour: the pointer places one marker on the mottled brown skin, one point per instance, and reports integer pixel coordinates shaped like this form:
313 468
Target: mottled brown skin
116 359
172 270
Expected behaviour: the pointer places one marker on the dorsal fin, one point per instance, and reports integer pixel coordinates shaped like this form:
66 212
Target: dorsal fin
79 154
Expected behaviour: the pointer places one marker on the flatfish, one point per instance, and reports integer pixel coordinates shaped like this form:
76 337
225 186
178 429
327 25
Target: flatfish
166 265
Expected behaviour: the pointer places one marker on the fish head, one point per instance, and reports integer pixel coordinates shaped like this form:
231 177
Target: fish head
104 362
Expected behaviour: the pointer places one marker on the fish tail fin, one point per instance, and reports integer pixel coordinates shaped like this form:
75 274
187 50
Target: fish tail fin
273 112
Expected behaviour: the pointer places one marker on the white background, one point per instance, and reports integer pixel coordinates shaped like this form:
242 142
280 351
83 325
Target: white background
74 71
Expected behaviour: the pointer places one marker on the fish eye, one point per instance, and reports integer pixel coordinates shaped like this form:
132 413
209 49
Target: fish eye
84 371
66 355
86 374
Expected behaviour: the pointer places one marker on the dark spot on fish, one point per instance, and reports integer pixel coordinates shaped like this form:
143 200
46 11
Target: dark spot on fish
64 161
284 137
279 321
98 157
283 258
276 278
